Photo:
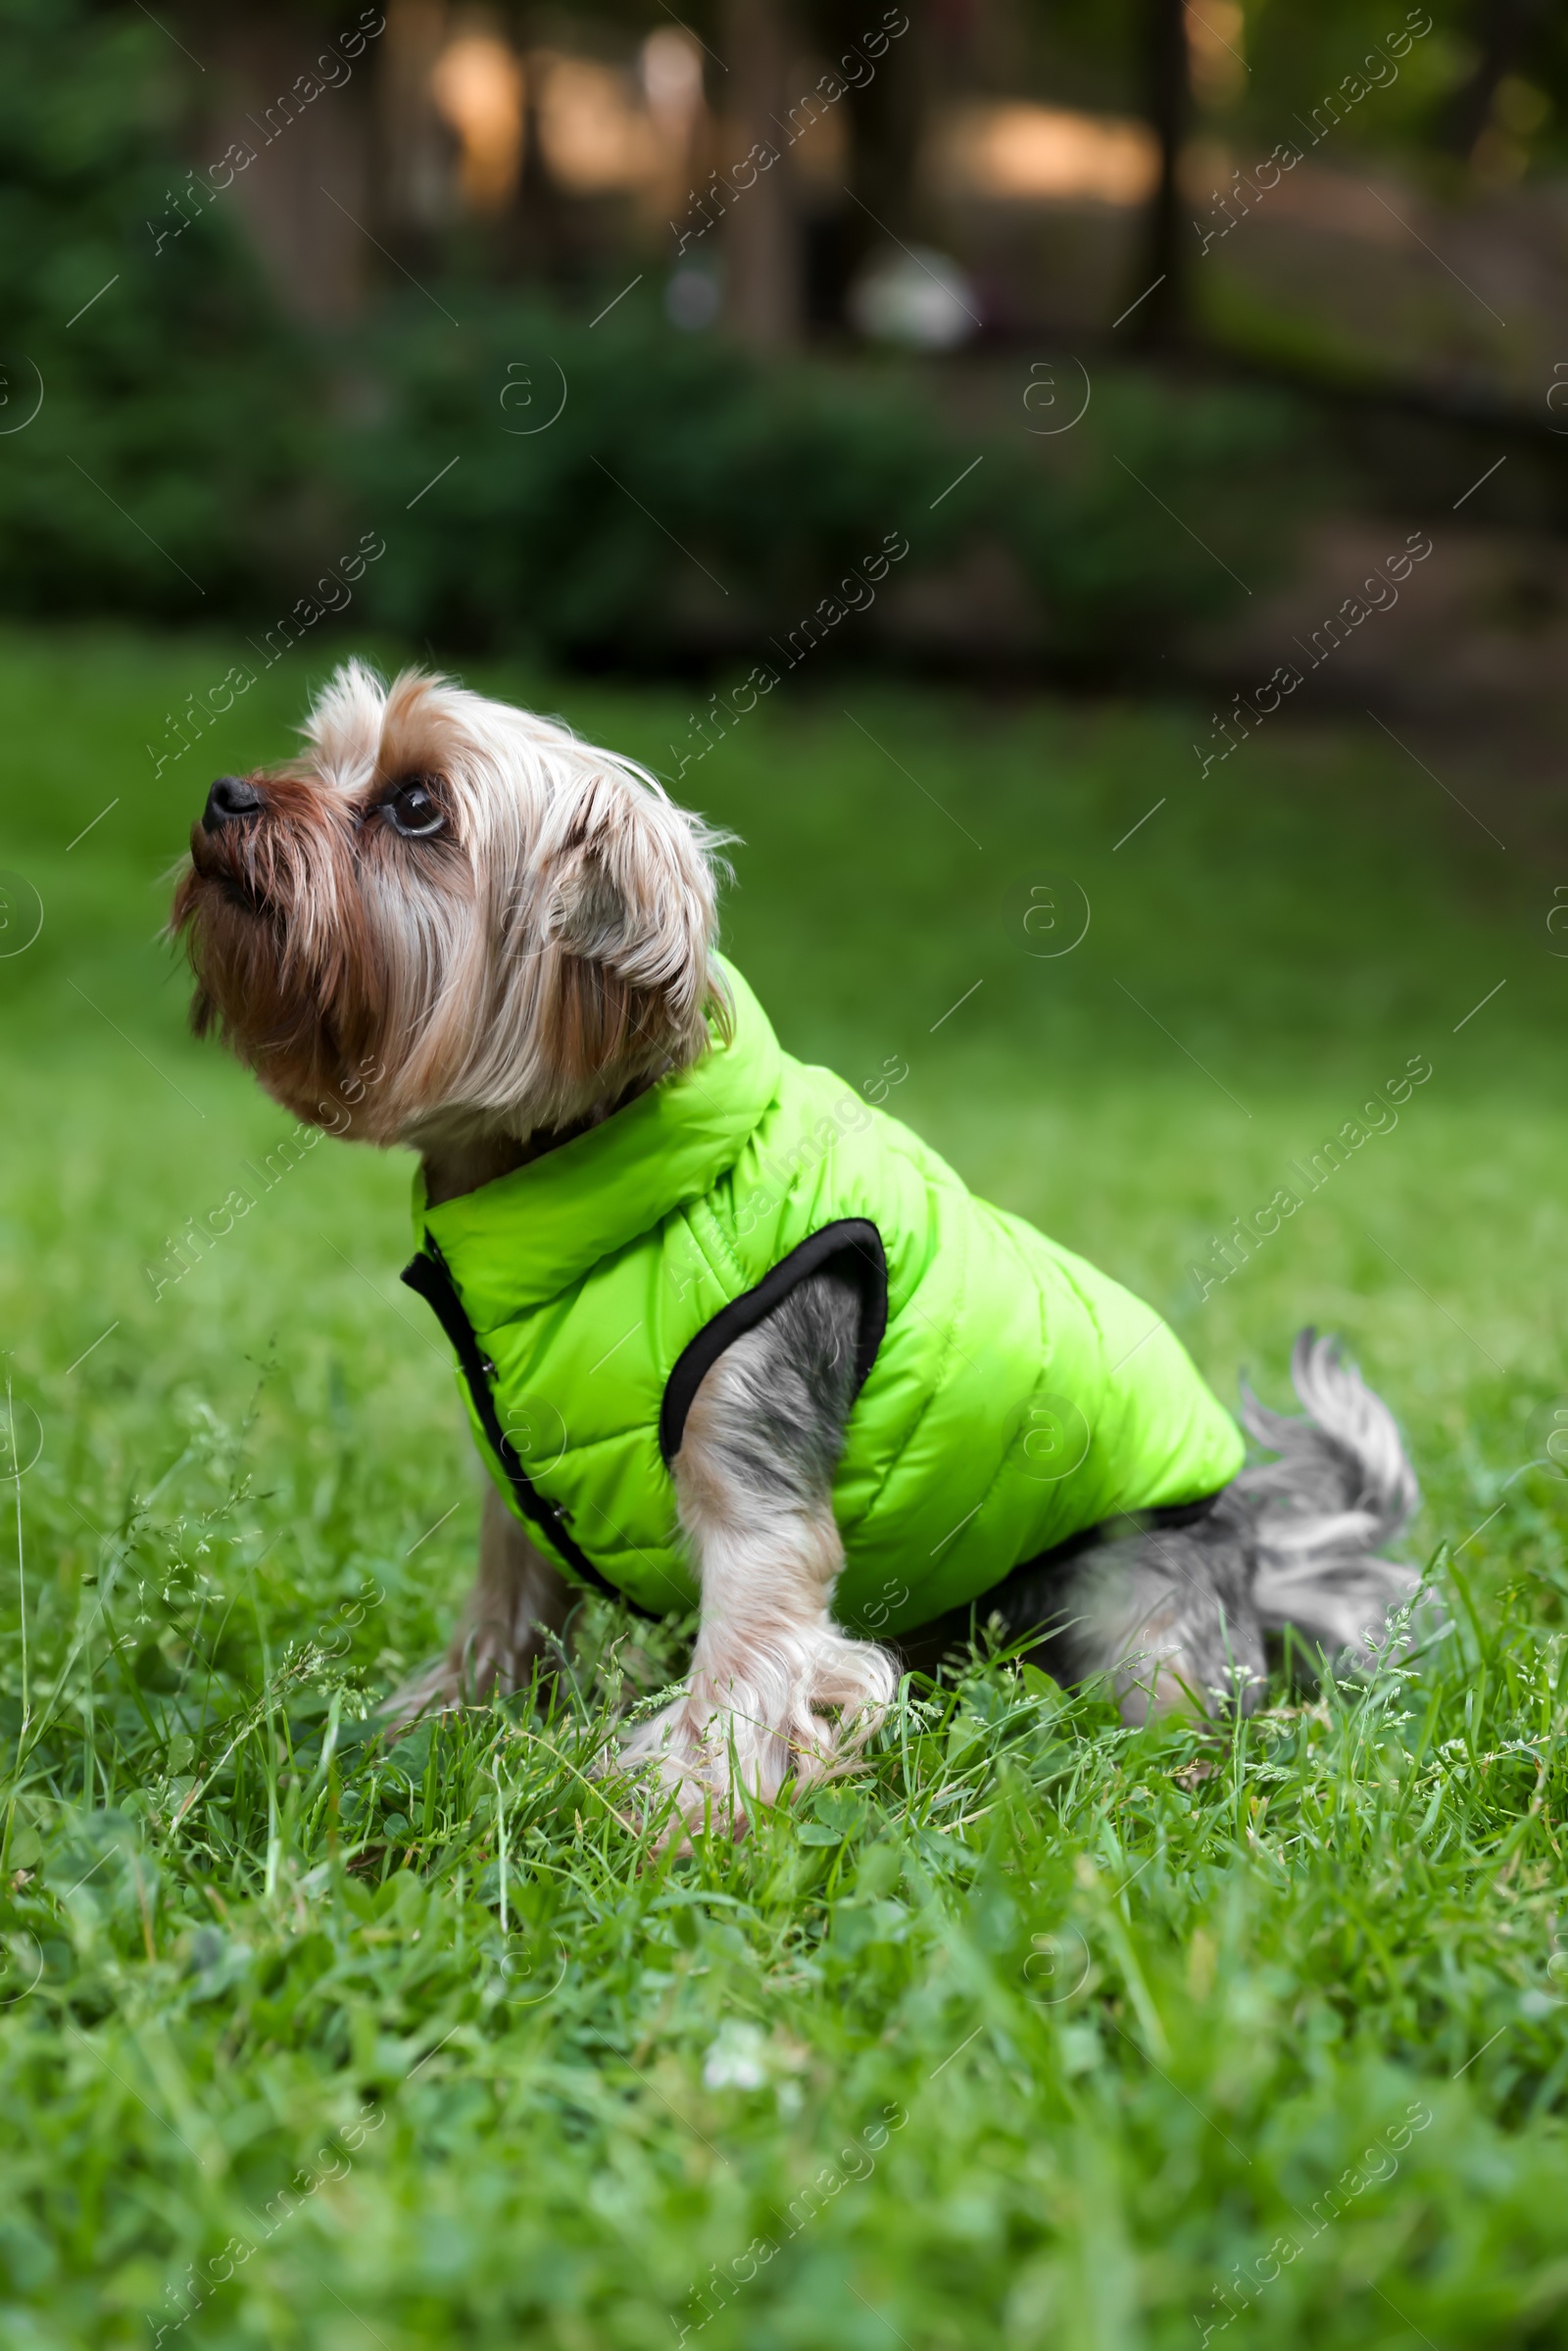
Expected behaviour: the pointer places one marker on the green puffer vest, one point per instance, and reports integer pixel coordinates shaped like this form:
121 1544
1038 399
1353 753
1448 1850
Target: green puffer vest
1010 1396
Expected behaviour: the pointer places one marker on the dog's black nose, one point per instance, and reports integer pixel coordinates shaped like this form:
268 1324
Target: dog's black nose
230 797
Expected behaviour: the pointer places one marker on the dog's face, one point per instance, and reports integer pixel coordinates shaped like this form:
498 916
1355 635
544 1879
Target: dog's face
503 925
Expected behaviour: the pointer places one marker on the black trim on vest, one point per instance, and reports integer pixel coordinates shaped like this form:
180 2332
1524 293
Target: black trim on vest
855 1239
429 1277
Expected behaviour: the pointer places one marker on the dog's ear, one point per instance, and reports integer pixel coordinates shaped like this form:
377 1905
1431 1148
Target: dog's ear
624 896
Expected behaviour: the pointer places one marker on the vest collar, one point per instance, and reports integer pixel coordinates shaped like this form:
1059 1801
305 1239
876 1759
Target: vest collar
517 1241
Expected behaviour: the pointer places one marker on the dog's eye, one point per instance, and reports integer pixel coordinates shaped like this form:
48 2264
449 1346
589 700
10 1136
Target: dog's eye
413 811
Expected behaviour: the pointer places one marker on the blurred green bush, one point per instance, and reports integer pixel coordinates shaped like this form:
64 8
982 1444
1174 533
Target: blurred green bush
197 453
629 494
686 495
1153 510
169 460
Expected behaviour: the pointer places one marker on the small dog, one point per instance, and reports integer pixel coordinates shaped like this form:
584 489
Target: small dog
727 1334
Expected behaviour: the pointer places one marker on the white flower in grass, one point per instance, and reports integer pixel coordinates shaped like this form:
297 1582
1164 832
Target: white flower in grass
737 2059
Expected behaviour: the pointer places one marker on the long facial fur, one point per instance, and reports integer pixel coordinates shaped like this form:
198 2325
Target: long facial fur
520 972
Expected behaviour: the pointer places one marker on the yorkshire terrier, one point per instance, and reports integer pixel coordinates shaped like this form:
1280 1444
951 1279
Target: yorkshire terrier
728 1331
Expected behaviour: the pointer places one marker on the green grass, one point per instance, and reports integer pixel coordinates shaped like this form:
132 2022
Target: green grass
1040 2033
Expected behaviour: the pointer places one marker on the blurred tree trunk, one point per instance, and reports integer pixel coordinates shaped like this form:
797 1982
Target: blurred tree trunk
762 228
886 116
1499 29
315 256
1161 320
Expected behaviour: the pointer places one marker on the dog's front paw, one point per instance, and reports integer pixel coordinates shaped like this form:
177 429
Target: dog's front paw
717 1765
801 1707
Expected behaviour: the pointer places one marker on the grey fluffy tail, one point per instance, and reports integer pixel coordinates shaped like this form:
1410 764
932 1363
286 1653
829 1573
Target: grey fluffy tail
1339 1489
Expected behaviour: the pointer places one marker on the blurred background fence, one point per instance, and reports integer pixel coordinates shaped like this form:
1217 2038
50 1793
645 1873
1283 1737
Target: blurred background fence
624 339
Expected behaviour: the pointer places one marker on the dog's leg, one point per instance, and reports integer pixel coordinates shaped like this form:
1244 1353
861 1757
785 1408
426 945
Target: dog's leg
775 1688
518 1600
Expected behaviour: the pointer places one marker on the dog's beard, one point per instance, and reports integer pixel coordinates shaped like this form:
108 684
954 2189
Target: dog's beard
288 970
